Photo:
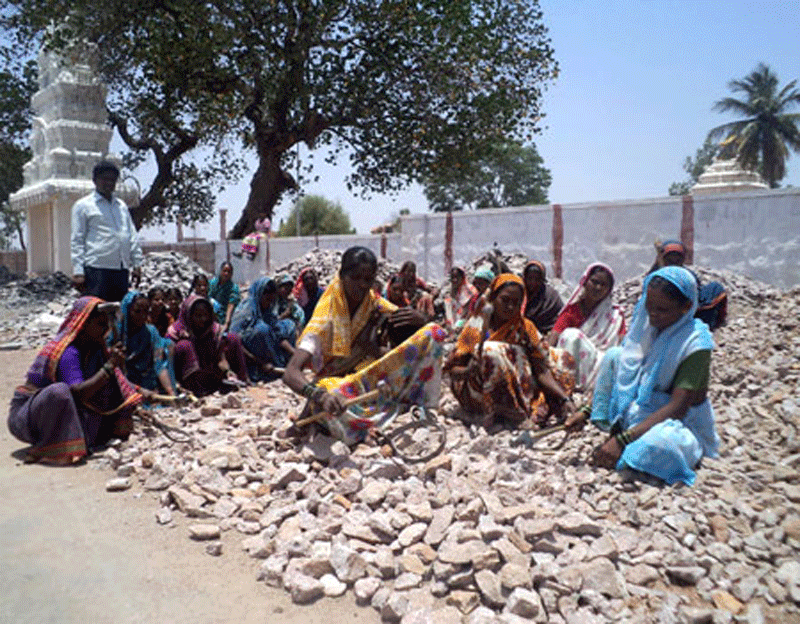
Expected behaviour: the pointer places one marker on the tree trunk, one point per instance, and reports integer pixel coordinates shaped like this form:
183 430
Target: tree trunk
268 184
146 204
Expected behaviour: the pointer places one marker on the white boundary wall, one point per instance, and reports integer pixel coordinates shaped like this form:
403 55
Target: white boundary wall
285 249
756 234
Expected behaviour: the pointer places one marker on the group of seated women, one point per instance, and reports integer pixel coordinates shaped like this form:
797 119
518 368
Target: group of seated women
518 357
85 383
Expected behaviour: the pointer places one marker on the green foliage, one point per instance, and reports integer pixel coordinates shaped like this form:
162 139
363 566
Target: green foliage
317 216
695 167
762 140
16 89
508 175
403 87
153 101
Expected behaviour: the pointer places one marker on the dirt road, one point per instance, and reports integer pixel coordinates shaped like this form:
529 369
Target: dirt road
71 552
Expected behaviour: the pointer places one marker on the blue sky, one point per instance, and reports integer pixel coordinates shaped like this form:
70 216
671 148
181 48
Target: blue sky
633 99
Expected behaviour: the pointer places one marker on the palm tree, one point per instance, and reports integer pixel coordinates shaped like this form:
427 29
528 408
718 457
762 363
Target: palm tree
761 141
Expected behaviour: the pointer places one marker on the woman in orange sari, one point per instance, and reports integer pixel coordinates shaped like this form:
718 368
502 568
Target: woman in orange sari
502 368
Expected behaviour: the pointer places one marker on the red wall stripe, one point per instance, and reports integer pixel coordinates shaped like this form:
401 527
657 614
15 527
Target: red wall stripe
448 244
687 228
558 240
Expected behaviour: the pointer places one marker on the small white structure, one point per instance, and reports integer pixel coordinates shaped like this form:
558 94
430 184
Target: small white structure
727 176
69 136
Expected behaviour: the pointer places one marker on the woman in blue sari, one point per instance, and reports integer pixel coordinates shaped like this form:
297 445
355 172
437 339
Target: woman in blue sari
267 339
651 392
146 352
225 291
286 307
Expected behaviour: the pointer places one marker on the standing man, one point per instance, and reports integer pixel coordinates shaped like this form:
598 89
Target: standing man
105 243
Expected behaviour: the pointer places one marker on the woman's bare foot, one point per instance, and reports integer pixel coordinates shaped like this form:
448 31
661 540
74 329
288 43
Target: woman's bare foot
70 460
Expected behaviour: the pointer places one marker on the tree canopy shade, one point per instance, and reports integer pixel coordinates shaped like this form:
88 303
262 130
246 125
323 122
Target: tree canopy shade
507 175
695 167
16 89
157 104
317 216
402 86
764 138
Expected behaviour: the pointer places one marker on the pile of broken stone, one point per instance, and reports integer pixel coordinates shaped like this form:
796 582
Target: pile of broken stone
491 531
33 309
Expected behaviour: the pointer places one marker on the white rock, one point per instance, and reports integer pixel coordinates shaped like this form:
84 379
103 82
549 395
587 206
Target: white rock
411 534
364 589
202 532
347 564
332 586
524 603
120 484
304 589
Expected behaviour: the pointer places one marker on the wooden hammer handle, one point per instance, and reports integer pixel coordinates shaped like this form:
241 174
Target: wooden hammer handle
361 398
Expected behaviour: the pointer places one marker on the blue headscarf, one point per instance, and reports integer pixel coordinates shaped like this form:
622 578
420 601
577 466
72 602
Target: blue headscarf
646 351
249 311
146 352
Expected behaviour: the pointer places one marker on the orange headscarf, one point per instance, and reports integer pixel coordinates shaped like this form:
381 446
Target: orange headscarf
517 330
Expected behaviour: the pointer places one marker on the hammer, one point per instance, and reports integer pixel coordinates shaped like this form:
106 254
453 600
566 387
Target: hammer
379 390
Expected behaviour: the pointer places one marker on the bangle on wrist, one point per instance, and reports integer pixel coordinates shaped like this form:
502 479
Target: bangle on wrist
628 434
308 390
624 438
108 369
586 410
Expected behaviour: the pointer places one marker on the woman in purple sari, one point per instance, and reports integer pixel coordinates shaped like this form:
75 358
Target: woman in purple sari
75 397
204 355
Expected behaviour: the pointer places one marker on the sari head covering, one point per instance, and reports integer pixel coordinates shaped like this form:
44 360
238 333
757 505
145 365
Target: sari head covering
543 307
182 328
484 272
538 265
517 330
44 370
225 293
284 278
456 304
464 290
249 312
45 367
332 308
145 355
673 246
395 278
299 291
604 323
647 351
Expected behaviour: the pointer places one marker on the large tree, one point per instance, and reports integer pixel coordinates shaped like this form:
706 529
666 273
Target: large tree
509 174
165 107
317 216
768 130
402 87
16 89
695 167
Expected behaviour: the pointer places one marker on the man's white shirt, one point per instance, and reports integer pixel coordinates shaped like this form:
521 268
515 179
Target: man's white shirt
103 235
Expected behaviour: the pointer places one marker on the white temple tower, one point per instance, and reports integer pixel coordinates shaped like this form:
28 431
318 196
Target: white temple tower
725 175
69 136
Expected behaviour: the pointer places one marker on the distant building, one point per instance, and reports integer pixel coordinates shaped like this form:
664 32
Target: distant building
727 176
70 135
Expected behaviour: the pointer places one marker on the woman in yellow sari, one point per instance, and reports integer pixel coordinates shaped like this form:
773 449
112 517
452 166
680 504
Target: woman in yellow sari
501 368
339 344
